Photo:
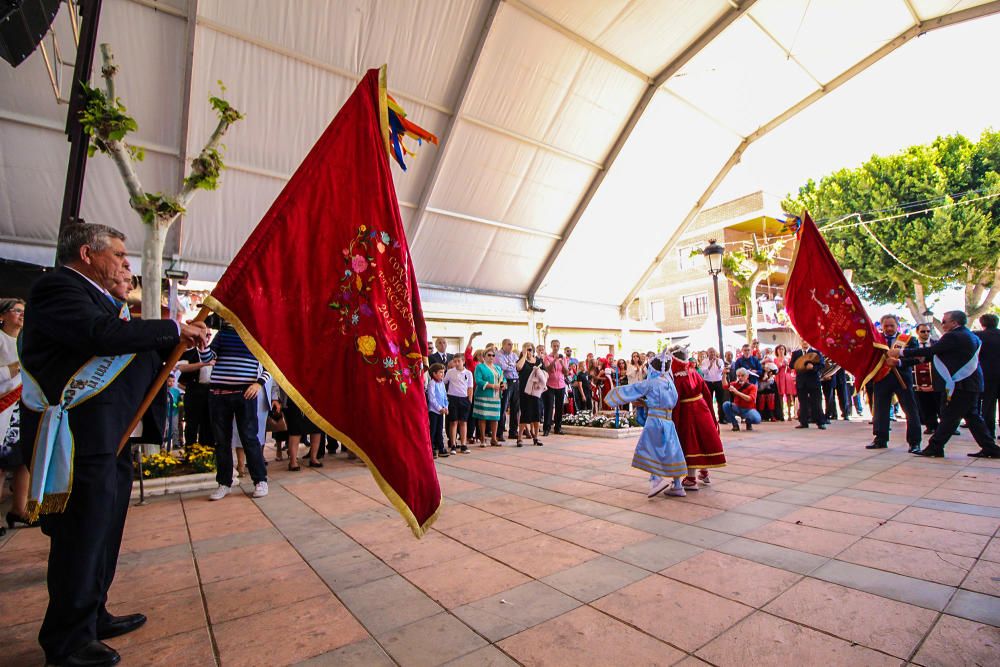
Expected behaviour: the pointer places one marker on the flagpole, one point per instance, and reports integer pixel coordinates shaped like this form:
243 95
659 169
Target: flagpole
160 380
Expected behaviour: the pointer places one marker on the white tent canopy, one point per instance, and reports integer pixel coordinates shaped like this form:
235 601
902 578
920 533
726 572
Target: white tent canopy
562 122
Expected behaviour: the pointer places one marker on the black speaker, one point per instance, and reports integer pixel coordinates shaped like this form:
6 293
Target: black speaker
23 24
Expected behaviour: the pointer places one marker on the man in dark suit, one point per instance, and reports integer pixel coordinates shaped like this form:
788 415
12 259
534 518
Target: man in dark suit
989 362
898 383
72 319
807 386
928 398
440 355
958 374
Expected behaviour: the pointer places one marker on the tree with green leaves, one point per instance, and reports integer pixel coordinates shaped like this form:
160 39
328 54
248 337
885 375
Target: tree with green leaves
746 271
916 222
107 122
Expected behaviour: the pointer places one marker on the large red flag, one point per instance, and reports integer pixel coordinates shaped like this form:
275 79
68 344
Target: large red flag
825 311
325 296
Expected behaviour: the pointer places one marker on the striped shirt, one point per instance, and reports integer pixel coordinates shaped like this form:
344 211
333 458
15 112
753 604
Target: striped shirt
234 366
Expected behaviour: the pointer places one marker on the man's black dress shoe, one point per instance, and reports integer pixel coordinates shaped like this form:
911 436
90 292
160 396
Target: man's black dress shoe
91 654
915 449
933 453
802 426
821 427
984 455
876 445
115 626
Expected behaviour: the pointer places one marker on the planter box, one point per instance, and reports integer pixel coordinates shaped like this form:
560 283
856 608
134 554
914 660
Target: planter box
180 484
612 433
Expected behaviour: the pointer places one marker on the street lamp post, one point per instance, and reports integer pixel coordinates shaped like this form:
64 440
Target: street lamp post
713 253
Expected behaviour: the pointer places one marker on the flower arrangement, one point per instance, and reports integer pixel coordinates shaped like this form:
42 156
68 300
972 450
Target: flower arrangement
158 465
201 458
586 418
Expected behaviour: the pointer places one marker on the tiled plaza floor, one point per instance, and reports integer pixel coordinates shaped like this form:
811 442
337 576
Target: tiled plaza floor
807 550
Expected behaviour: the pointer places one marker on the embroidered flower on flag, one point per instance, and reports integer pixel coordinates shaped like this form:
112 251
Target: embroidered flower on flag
359 264
366 345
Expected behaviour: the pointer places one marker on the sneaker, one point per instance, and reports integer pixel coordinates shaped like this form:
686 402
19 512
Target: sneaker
464 449
260 490
674 491
444 454
658 485
219 493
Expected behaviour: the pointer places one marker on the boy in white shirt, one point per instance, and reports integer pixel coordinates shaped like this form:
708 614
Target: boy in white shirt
459 383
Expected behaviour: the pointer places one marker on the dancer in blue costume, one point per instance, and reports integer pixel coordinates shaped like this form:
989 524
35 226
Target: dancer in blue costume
658 451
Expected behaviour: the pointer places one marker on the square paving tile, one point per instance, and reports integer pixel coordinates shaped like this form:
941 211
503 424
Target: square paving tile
894 586
364 653
595 578
541 555
984 578
585 637
981 525
812 540
601 535
840 522
505 504
488 533
547 518
387 604
186 648
169 614
938 539
431 641
321 624
734 578
975 607
408 554
763 639
515 610
942 568
257 591
734 523
674 612
456 514
870 620
957 641
773 555
465 580
656 553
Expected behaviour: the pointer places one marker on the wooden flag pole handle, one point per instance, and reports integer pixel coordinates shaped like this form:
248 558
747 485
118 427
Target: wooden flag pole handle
160 380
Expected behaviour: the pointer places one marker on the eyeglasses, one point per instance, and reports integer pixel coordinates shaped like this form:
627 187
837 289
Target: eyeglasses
490 355
17 311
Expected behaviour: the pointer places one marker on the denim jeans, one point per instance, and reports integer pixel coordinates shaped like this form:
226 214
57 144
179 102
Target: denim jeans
732 411
223 408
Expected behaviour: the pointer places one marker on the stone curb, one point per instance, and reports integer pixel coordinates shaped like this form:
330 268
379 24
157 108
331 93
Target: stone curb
181 484
594 432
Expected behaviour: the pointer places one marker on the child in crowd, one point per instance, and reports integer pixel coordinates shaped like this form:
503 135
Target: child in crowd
459 384
437 408
172 433
767 393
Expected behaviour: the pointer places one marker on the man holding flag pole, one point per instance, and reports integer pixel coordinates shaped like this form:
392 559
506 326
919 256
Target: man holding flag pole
956 366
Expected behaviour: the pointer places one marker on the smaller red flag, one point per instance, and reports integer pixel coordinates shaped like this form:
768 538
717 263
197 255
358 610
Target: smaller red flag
824 309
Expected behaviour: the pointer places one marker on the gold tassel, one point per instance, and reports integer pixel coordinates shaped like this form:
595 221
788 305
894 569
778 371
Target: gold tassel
53 503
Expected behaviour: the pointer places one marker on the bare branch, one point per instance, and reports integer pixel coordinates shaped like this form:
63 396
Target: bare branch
109 70
119 154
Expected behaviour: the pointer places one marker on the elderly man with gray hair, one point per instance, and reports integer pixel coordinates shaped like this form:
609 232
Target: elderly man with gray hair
78 344
744 403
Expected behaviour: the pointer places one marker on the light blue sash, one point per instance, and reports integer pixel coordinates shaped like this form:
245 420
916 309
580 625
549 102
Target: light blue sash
965 371
52 463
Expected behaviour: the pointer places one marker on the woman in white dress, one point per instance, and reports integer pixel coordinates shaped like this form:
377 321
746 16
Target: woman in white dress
11 455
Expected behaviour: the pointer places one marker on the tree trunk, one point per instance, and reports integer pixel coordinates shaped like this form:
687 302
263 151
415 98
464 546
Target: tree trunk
974 309
152 267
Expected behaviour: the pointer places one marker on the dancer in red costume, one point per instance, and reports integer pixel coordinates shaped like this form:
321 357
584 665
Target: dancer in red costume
695 420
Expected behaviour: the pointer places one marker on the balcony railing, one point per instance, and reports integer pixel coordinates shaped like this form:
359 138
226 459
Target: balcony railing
737 310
